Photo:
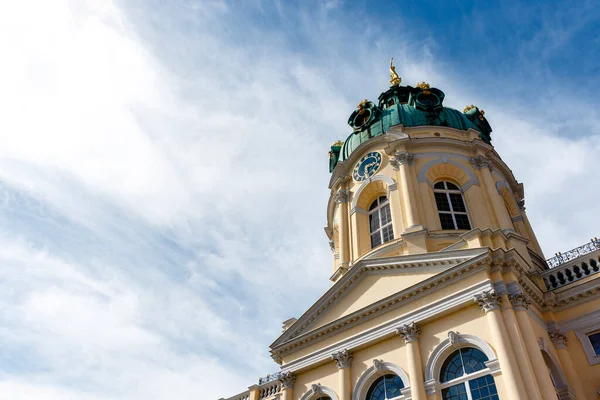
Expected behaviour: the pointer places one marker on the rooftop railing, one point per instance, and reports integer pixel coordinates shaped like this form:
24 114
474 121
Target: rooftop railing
561 258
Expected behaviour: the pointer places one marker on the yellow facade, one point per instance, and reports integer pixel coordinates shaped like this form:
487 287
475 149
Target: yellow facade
403 307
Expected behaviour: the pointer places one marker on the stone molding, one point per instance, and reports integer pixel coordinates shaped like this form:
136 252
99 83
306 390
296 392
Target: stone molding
316 390
519 301
559 340
342 196
343 358
409 332
380 368
400 158
488 300
481 162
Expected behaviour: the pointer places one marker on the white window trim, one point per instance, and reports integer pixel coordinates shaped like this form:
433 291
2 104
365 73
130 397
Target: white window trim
584 326
452 212
584 338
465 379
370 376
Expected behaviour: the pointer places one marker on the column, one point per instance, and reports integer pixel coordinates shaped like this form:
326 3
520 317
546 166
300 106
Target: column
520 304
516 338
490 303
344 362
560 344
485 166
410 334
401 161
341 198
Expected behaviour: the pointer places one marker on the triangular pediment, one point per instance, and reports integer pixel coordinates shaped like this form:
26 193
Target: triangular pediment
370 281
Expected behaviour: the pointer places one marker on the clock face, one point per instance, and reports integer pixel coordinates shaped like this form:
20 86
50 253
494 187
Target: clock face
367 166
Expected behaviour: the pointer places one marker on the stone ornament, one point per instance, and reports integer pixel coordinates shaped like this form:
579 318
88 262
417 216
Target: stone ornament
378 364
519 301
316 388
400 158
453 337
342 196
332 245
287 380
343 358
409 332
481 162
489 300
559 340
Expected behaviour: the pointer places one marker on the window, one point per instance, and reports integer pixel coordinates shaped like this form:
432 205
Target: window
385 387
324 398
456 371
595 341
380 222
451 206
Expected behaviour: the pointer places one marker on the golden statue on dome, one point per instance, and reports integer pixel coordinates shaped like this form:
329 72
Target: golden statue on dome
394 78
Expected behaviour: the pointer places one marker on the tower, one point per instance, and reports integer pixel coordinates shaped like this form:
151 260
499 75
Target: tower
440 288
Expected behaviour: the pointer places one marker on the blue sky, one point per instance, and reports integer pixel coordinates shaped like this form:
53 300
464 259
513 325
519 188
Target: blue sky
163 168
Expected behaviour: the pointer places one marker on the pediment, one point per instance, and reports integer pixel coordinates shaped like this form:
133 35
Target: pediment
370 281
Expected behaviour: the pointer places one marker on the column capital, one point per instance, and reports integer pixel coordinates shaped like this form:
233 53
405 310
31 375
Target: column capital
400 158
481 162
519 301
409 332
559 340
488 300
287 380
341 196
343 358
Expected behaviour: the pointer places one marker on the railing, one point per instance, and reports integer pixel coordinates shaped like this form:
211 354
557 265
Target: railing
269 378
575 268
561 258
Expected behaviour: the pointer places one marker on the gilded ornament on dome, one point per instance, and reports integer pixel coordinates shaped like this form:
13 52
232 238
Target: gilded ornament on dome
468 108
394 78
361 106
338 143
481 114
423 85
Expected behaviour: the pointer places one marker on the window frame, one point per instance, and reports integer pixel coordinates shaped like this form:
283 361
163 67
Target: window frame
452 213
464 379
377 211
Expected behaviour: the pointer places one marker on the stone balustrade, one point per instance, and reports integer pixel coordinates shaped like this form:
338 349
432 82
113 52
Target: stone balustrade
575 268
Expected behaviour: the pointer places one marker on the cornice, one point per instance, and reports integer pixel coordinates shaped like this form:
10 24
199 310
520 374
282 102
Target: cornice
388 329
458 269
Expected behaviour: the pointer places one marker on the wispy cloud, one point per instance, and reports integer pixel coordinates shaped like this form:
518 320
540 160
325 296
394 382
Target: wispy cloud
164 178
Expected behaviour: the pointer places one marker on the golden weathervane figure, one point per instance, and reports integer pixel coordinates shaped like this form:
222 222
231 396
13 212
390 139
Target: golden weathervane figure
394 78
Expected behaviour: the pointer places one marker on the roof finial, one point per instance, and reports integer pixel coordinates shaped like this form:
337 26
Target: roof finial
394 78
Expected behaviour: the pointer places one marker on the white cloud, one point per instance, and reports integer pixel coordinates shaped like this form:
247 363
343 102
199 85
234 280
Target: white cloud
164 181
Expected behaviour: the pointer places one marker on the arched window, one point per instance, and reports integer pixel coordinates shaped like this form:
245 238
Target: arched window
460 381
324 398
451 206
386 387
380 222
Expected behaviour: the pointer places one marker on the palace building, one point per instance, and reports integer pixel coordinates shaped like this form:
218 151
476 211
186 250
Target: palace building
440 288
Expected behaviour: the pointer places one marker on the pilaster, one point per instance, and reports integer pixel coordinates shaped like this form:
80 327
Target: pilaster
484 165
401 162
287 380
489 302
559 340
341 197
343 360
410 333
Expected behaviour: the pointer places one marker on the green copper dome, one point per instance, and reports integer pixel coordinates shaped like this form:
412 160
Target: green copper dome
408 106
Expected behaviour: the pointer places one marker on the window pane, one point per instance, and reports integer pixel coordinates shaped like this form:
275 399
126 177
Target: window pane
373 205
386 215
462 221
441 199
457 202
374 221
483 388
457 392
375 239
595 341
388 233
388 390
452 367
447 221
439 185
451 186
